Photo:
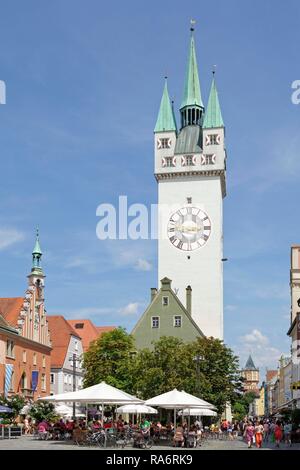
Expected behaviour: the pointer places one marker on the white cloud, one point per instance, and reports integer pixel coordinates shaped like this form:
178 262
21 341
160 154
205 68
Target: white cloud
264 354
143 265
9 237
130 309
89 312
230 308
77 262
255 337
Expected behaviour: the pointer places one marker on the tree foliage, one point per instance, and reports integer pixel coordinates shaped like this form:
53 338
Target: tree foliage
108 359
214 376
42 410
15 402
241 404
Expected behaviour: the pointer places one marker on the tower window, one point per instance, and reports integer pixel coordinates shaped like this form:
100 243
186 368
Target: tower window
165 301
155 322
189 200
169 162
213 139
188 160
208 159
177 321
164 143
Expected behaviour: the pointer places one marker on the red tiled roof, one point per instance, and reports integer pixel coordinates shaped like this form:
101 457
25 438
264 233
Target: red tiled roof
270 375
10 309
60 333
88 331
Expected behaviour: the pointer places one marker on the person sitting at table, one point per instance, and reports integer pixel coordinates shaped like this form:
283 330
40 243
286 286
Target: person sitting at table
120 423
43 428
145 425
179 436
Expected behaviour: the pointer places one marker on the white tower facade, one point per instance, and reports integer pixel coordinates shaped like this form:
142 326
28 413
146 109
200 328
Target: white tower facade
190 171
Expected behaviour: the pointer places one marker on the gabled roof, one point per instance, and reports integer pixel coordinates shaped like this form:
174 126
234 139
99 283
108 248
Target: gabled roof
5 326
10 308
166 288
88 331
270 375
250 364
165 119
60 332
213 116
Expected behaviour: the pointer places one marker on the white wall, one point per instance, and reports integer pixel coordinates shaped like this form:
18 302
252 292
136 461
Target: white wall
204 270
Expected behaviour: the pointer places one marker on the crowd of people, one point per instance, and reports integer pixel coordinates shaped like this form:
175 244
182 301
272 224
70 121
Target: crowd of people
257 431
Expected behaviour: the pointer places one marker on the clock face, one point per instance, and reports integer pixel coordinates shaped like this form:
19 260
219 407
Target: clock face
189 228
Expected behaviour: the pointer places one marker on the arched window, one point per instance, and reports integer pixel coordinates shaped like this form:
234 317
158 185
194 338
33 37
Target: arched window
23 381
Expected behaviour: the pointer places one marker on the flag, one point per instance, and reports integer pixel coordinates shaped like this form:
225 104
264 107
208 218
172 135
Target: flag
9 368
34 380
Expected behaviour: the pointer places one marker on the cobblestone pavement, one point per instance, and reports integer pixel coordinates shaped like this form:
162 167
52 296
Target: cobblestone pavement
28 443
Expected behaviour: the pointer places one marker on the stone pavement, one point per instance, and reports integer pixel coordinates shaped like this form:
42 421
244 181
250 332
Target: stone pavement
28 443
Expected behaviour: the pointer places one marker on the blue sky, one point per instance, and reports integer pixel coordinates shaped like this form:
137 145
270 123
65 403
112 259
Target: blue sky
84 82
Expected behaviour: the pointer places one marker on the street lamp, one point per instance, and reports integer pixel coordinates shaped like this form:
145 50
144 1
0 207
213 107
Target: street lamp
198 358
73 360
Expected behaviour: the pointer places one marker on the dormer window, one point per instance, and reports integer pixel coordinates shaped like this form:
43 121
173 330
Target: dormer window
164 143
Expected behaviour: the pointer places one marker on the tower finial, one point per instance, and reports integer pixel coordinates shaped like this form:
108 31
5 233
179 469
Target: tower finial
214 69
192 28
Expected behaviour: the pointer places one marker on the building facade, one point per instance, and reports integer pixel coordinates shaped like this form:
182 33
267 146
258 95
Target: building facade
190 169
294 330
88 332
66 358
270 394
166 316
26 345
250 375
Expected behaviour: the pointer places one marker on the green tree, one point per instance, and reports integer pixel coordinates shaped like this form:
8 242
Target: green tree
173 363
241 404
160 370
108 359
42 410
15 402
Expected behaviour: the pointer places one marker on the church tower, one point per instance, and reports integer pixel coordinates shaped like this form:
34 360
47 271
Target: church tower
190 172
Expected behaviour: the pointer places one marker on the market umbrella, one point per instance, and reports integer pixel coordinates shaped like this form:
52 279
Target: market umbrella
132 409
197 412
176 399
5 409
137 409
67 411
101 393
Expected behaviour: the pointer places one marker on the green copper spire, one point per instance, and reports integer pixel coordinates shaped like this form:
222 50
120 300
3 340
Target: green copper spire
36 254
166 119
192 93
213 115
